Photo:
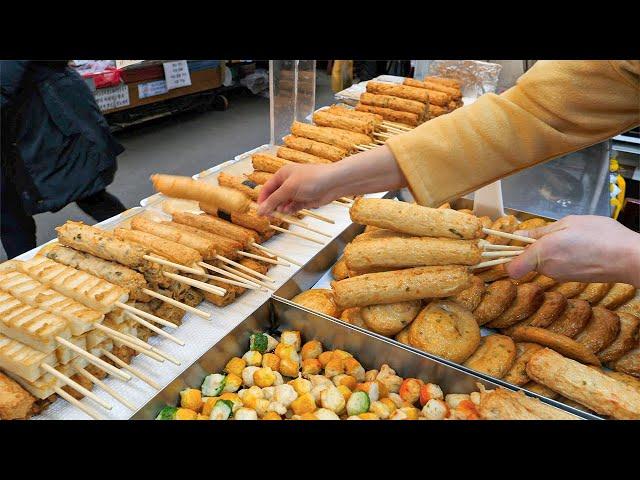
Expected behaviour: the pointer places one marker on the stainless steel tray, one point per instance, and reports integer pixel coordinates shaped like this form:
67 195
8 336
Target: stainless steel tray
370 350
314 270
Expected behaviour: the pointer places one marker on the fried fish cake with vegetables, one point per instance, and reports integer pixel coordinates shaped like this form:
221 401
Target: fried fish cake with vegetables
624 342
494 356
574 318
446 329
601 331
496 299
390 319
517 374
318 300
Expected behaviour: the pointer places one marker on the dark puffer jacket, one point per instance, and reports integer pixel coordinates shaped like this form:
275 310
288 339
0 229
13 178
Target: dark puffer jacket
57 146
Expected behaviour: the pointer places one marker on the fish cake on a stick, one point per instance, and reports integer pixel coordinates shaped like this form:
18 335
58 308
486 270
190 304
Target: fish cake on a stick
397 116
259 178
624 342
492 274
494 356
247 187
263 162
328 119
501 404
333 136
560 343
190 189
449 82
299 157
395 90
172 251
573 320
224 246
415 219
320 300
217 225
312 147
400 286
585 385
395 103
601 331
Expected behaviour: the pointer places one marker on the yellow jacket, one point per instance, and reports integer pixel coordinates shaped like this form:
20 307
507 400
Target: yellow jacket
556 108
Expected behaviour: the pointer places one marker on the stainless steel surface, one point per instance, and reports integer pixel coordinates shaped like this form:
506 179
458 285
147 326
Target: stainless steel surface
371 351
575 184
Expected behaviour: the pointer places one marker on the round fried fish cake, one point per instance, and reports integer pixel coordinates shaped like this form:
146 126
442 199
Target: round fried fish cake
470 298
319 300
403 336
626 339
574 319
595 292
494 356
555 341
492 274
517 374
529 297
340 270
353 316
496 299
552 308
544 282
619 294
601 331
570 289
629 363
391 318
446 329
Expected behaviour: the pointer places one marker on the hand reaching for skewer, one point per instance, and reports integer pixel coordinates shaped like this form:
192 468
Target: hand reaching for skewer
581 248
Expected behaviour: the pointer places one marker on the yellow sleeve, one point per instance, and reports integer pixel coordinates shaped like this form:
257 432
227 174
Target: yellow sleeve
556 108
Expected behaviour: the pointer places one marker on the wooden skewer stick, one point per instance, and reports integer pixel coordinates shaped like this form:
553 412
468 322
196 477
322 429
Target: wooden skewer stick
243 284
86 374
273 252
146 315
75 385
379 142
294 221
504 253
362 148
244 279
264 259
335 202
395 130
243 268
399 126
512 236
489 246
176 303
129 368
142 344
119 337
382 135
345 200
152 327
198 284
490 263
93 359
177 266
322 218
296 234
244 275
76 403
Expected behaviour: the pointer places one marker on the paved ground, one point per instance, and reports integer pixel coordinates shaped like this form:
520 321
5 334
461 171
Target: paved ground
182 144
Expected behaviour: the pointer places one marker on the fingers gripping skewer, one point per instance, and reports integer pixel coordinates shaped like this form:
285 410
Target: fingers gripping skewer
105 387
273 252
75 386
76 403
133 371
159 331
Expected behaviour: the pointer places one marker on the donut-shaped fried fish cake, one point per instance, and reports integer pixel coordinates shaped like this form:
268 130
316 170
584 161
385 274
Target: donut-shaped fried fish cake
494 356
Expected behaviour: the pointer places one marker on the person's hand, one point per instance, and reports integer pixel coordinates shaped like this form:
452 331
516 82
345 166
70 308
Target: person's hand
583 248
295 187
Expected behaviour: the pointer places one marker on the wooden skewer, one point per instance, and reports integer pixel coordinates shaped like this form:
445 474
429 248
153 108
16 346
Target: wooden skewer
396 130
322 218
75 385
119 337
243 284
399 126
273 252
345 200
175 303
198 284
489 246
293 221
506 253
245 279
243 268
244 275
142 344
93 359
146 315
490 263
152 327
512 236
382 135
264 259
86 374
81 406
129 368
177 266
335 202
379 142
362 148
296 234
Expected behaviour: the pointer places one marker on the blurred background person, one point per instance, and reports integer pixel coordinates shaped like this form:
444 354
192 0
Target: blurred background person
56 149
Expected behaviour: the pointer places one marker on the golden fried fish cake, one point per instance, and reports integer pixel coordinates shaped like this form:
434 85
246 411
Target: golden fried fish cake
470 298
560 343
552 308
391 318
570 289
318 300
517 374
528 225
446 329
508 224
619 294
632 306
595 292
630 362
492 274
486 222
626 339
496 299
633 382
340 270
601 331
494 356
576 405
526 278
353 316
403 336
544 282
529 297
541 390
574 319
